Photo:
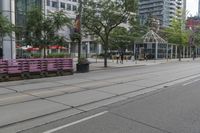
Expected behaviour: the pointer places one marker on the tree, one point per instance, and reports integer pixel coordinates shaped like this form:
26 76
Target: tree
120 38
6 29
195 36
176 34
41 30
194 39
137 30
101 17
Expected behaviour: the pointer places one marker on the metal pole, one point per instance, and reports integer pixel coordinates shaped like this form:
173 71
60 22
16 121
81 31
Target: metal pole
80 39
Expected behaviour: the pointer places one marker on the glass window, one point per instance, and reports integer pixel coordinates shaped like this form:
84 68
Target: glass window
74 8
69 7
54 4
62 5
48 2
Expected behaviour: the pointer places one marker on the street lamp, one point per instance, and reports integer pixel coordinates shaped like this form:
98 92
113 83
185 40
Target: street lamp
79 28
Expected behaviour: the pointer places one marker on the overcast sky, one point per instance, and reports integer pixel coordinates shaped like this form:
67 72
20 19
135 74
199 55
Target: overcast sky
192 7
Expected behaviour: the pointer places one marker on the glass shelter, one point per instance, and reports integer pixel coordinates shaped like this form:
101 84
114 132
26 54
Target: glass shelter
152 46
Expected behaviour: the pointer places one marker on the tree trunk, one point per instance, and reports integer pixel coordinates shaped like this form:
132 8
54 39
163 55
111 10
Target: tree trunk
105 56
79 50
179 52
45 53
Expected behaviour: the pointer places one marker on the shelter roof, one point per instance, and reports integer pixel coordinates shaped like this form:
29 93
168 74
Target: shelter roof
152 37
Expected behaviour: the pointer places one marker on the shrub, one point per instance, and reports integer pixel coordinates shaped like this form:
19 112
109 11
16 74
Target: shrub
36 55
57 55
83 60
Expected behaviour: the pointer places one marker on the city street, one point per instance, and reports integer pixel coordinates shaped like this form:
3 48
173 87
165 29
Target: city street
162 98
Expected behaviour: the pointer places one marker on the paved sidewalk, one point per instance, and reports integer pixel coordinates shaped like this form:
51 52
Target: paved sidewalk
30 103
99 63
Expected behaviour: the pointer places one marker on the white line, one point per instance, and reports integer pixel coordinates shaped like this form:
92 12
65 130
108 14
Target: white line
191 82
76 122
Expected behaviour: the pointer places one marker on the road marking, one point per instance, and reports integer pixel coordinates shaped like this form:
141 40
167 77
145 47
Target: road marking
196 80
76 122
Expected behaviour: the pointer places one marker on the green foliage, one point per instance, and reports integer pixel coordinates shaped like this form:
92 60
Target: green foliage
83 60
36 55
176 34
6 27
131 5
120 38
102 16
40 30
57 55
137 30
196 37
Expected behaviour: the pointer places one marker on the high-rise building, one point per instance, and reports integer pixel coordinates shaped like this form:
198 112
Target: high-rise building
199 9
163 10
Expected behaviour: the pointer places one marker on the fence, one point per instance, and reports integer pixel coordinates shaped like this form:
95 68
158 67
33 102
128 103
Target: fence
27 68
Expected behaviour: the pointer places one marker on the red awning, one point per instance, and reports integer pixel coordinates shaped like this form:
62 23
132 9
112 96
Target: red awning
33 49
56 47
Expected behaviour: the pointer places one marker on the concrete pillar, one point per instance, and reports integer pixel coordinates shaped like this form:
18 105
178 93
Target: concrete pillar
9 46
176 51
88 47
172 51
50 51
69 48
183 51
196 51
44 5
99 48
59 51
167 54
156 53
134 49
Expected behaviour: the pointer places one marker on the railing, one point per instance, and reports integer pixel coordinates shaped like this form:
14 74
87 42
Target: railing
25 68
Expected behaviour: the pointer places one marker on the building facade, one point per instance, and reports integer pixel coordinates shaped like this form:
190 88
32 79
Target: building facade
70 8
199 9
192 23
15 11
163 10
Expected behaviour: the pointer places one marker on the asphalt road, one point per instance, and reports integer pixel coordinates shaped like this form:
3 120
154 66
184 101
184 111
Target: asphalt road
173 110
149 99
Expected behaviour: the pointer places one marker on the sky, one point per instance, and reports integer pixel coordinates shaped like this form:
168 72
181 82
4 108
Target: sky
192 7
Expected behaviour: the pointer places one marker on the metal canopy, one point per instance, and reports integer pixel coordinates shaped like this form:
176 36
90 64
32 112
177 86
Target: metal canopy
152 37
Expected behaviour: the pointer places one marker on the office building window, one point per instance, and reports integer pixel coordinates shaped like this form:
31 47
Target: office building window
62 5
54 4
48 2
69 7
74 8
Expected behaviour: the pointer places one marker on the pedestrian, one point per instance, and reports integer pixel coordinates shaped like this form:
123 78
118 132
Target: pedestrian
146 56
117 56
122 58
113 57
193 56
132 58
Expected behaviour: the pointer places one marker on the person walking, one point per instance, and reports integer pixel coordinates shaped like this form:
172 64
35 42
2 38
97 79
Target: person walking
117 56
122 58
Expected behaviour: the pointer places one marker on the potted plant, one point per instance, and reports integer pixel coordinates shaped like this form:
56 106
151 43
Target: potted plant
82 65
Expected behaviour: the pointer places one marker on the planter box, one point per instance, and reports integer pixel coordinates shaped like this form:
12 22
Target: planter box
82 68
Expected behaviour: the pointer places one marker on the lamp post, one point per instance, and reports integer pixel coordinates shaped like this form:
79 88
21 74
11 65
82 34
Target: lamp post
79 30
